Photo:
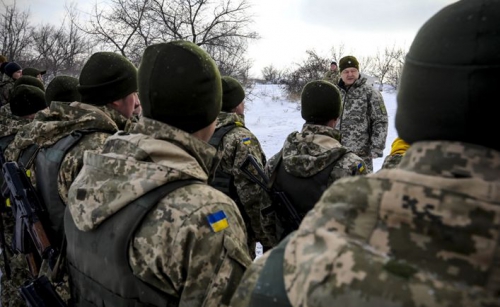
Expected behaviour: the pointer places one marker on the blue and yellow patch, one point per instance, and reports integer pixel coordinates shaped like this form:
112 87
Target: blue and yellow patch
218 221
246 141
361 167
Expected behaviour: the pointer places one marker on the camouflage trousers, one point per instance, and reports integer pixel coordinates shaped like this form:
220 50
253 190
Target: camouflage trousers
10 287
368 163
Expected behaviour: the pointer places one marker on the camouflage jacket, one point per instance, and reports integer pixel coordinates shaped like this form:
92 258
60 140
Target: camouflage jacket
363 124
10 124
5 89
233 150
175 249
60 120
391 161
307 153
332 76
423 234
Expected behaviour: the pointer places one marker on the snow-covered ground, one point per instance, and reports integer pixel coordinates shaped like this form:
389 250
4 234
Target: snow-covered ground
271 117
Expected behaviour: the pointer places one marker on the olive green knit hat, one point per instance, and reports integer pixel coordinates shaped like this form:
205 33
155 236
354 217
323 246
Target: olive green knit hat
180 85
29 80
320 102
348 61
30 71
449 83
63 89
232 93
26 100
106 77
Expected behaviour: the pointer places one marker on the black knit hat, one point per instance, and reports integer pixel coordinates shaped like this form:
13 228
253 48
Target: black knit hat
29 80
11 68
232 93
180 85
450 77
62 88
107 77
348 61
333 62
26 100
320 102
30 71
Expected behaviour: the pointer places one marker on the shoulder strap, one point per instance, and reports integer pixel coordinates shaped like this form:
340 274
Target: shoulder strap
220 133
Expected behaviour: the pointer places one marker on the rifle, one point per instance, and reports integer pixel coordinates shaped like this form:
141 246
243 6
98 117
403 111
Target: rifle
41 293
3 243
30 237
285 211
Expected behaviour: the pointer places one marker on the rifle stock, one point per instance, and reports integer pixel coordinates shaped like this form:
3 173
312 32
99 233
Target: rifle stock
30 236
284 209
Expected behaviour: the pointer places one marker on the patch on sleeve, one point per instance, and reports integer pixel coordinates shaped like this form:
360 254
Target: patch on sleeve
246 141
361 167
218 221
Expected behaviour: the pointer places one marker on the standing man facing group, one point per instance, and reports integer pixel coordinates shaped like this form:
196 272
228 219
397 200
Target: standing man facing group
363 124
332 75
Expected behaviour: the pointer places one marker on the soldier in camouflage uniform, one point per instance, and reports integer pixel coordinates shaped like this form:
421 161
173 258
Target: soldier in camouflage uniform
12 72
108 98
363 123
332 75
425 233
310 160
25 100
234 143
398 150
170 239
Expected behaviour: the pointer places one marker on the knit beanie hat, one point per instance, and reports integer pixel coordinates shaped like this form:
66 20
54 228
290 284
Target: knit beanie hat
180 85
232 93
62 88
30 71
106 77
333 62
348 61
450 76
29 80
26 100
320 102
11 68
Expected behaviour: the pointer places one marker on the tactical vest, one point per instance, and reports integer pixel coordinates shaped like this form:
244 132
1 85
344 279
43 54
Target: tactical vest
223 181
47 164
270 287
303 192
100 273
6 140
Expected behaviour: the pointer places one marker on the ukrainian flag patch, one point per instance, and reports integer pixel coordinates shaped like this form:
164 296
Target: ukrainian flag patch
218 221
246 141
361 167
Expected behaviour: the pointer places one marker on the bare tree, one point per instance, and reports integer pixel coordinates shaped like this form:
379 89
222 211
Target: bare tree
60 50
309 70
383 63
337 52
394 75
272 74
15 32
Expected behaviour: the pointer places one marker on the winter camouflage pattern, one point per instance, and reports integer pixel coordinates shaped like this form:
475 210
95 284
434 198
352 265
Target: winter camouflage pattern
332 76
234 148
62 119
307 153
175 249
437 216
10 124
391 161
363 124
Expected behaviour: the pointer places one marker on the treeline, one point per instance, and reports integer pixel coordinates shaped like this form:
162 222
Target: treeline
222 28
385 66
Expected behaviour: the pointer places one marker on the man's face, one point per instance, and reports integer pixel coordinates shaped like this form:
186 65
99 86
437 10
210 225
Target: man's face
128 105
17 74
333 67
349 75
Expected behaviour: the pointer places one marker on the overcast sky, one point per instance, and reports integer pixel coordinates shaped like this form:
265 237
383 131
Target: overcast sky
290 27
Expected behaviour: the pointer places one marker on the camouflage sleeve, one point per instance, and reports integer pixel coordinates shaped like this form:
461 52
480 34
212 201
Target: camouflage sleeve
248 191
178 251
349 165
73 161
379 123
391 161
